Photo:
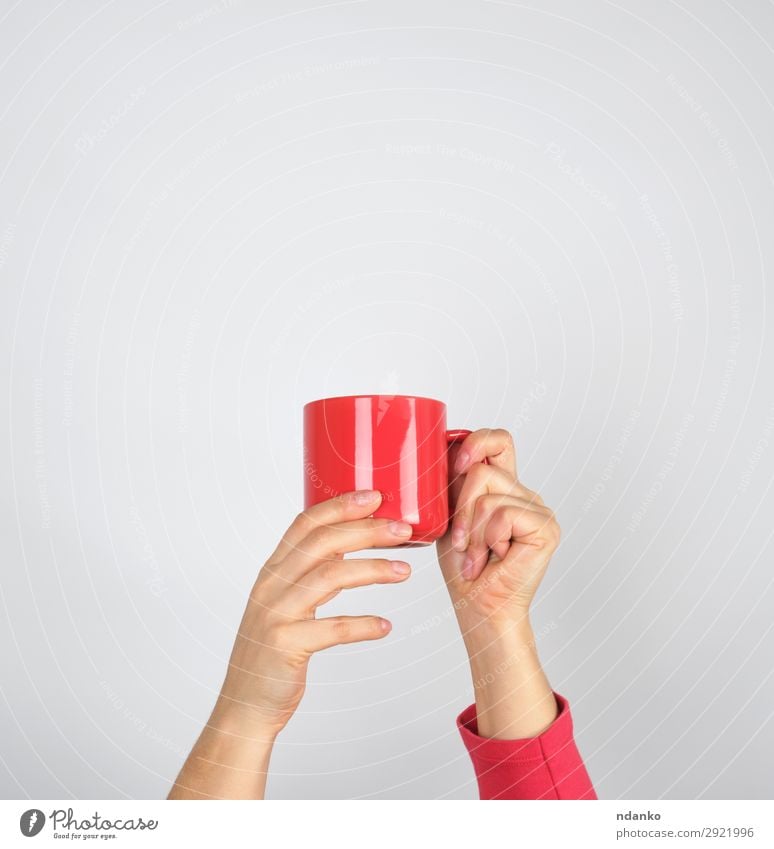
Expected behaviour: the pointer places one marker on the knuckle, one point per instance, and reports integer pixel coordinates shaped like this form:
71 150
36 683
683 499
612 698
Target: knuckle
551 533
504 435
502 518
329 573
503 512
542 544
495 502
303 521
321 536
478 475
518 490
342 629
482 513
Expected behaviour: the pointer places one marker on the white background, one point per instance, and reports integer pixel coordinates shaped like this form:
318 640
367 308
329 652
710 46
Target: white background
554 217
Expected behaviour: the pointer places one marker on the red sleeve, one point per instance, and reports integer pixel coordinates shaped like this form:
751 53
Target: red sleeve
548 766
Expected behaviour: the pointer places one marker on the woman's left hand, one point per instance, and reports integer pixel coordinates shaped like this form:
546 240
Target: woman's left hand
493 557
501 536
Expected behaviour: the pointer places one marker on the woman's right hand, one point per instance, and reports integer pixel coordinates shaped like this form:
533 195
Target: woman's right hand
279 631
278 634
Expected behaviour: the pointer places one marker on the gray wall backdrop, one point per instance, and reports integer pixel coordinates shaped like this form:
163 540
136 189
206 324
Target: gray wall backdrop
557 217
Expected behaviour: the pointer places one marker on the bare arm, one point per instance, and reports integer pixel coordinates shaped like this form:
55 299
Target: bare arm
279 633
493 558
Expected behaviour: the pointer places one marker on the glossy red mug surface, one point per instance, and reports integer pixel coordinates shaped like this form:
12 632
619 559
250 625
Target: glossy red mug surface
396 444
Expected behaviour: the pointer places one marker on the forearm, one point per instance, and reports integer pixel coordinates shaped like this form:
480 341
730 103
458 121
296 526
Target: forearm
230 760
513 697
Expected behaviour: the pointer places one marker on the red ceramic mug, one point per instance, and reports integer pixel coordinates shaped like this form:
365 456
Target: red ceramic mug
396 444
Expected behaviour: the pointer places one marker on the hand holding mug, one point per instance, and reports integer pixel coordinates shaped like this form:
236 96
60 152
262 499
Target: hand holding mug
493 557
502 536
280 632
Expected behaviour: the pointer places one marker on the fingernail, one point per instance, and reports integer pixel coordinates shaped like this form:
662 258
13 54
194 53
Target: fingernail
401 529
459 537
400 568
463 458
467 567
385 625
365 496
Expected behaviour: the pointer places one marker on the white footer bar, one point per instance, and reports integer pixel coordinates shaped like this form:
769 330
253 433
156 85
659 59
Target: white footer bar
393 824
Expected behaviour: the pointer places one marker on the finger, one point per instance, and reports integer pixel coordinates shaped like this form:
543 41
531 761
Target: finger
517 526
492 444
477 553
341 508
330 577
329 541
480 480
524 524
489 536
317 634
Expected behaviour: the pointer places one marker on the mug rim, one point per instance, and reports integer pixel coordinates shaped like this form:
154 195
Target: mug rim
375 395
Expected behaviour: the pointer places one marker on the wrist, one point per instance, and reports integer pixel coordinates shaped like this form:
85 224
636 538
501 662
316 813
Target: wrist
243 723
495 636
513 698
230 759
